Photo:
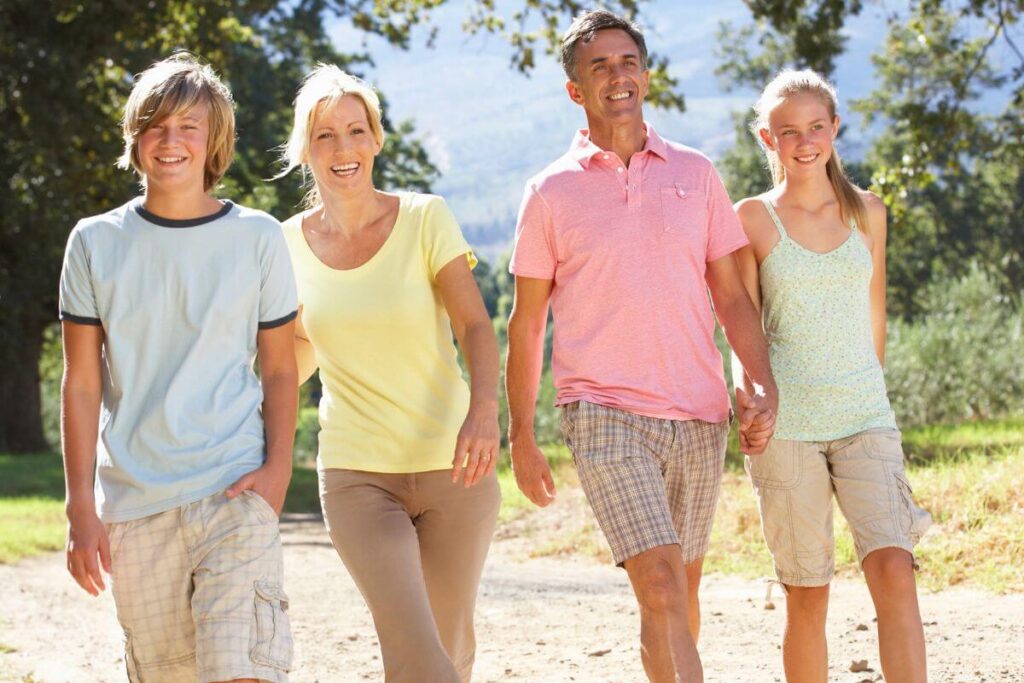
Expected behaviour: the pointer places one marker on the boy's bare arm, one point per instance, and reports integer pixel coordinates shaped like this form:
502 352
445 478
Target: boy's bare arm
279 376
81 394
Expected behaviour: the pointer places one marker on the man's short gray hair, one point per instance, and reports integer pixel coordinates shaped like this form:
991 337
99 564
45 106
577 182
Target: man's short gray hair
583 29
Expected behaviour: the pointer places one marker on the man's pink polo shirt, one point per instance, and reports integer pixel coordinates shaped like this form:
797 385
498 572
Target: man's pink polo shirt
627 250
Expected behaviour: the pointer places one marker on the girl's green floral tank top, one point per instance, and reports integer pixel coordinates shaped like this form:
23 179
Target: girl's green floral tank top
817 320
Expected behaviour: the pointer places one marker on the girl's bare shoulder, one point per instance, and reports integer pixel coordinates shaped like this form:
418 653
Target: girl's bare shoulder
877 215
754 216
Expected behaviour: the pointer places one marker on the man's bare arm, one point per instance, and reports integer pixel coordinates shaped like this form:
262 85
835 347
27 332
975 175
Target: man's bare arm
741 322
523 365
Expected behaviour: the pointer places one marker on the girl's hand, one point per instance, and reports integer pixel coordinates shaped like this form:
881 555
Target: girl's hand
476 449
756 414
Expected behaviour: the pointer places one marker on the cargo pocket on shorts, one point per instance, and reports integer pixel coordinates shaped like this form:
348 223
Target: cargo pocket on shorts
779 467
915 521
131 666
272 636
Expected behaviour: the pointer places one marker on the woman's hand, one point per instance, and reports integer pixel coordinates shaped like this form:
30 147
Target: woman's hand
476 449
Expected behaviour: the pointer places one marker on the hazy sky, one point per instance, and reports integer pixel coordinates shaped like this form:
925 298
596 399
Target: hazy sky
490 128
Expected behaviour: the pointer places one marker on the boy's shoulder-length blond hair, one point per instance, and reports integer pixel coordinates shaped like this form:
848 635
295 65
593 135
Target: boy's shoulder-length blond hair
325 84
172 86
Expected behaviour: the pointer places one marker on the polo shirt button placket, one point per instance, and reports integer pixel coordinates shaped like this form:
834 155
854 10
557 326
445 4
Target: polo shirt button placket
633 187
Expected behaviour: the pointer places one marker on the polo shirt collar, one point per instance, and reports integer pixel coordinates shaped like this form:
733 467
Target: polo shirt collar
583 148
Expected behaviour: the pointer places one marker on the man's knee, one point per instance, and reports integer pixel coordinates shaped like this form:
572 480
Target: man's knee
659 579
694 572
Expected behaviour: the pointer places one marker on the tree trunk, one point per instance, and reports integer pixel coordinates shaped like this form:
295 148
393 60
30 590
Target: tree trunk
21 424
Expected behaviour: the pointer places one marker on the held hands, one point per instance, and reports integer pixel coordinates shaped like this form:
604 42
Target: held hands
533 475
757 419
476 448
269 482
87 537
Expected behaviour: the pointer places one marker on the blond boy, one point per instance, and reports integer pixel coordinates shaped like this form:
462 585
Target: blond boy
164 304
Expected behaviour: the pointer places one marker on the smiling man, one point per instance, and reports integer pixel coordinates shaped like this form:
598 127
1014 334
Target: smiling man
622 237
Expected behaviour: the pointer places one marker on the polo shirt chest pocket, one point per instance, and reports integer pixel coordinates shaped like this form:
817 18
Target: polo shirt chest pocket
683 210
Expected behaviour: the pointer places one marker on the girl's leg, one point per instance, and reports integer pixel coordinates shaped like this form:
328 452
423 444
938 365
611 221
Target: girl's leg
876 499
794 490
455 525
370 527
804 649
890 576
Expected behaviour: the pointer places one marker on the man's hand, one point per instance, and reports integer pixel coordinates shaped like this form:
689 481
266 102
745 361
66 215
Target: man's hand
87 538
533 475
269 482
476 448
756 419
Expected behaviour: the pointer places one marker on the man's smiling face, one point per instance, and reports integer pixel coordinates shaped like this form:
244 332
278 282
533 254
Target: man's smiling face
611 79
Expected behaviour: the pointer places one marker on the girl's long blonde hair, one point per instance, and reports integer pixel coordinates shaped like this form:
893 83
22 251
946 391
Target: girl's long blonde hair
791 82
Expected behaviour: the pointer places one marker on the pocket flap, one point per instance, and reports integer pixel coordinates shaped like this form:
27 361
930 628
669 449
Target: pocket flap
272 592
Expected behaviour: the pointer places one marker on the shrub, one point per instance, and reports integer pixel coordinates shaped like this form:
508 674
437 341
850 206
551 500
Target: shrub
961 359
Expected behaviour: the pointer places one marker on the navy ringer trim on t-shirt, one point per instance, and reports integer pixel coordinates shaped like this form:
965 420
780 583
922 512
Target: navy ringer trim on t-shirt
271 324
80 319
186 223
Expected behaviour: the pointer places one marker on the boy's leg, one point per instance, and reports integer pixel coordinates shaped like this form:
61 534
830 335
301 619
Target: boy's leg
875 496
371 529
454 529
239 606
794 491
151 582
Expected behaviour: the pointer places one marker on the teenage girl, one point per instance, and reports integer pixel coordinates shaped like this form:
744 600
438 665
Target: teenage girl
816 268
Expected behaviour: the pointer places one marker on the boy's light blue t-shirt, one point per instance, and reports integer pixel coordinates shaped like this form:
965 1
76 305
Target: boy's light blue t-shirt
180 303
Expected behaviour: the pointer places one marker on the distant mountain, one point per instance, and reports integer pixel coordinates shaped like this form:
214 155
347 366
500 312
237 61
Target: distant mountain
489 128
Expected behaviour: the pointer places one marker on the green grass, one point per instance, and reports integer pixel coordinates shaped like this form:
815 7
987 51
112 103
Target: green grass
513 503
32 503
970 477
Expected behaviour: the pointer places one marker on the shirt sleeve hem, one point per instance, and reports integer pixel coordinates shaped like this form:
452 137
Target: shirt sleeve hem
725 251
80 319
464 251
536 274
271 324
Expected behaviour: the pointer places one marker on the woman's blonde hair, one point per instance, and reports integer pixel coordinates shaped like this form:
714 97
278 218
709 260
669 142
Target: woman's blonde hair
172 86
325 84
787 84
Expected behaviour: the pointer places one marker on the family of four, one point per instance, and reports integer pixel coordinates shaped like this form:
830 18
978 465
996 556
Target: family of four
178 454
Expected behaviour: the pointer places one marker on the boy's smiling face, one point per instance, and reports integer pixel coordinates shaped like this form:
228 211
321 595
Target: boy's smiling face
172 152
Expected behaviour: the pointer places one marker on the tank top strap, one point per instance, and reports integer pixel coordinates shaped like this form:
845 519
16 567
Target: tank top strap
775 217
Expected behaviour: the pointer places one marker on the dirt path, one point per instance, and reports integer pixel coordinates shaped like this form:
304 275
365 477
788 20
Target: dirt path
549 620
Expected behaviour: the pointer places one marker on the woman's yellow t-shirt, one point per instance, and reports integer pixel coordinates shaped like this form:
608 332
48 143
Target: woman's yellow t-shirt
394 397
